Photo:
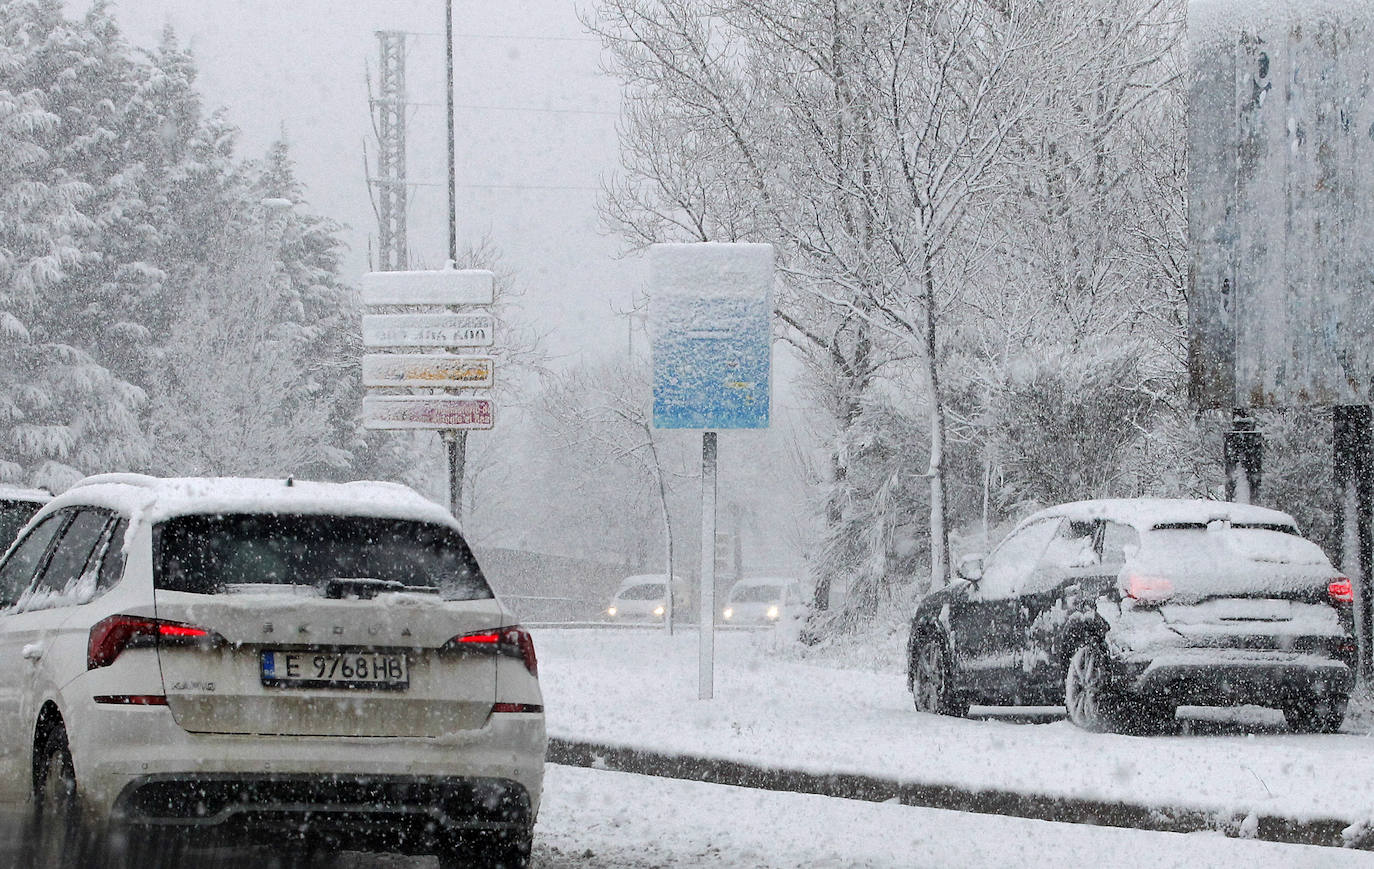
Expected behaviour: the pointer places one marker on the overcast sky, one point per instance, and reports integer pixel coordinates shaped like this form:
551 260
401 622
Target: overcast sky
529 179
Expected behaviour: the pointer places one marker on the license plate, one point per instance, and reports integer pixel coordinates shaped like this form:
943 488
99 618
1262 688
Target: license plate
385 670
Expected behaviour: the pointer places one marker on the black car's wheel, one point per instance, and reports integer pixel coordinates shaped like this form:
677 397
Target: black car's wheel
57 823
932 685
1320 714
1088 694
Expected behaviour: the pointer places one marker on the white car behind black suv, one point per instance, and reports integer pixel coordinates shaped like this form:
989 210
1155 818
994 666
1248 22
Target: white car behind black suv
301 665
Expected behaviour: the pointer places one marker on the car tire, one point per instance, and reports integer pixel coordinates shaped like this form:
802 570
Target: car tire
491 851
932 684
1091 702
1321 714
59 834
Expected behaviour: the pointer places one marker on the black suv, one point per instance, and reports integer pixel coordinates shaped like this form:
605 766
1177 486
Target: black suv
1123 610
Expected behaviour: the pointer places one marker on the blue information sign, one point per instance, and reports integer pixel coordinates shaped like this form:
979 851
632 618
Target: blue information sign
710 313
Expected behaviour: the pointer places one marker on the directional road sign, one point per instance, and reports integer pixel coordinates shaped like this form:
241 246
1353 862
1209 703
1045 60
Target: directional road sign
428 330
426 412
434 371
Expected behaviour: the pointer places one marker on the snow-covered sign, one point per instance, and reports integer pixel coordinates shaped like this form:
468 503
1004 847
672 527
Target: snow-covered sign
437 371
1281 203
709 324
444 287
426 412
428 330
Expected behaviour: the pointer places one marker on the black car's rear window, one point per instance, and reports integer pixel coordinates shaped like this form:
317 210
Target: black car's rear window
213 554
13 516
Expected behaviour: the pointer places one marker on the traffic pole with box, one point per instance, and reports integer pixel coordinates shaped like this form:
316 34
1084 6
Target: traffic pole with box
710 325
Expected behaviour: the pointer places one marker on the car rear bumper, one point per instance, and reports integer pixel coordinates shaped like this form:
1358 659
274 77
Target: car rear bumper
401 814
116 750
1209 677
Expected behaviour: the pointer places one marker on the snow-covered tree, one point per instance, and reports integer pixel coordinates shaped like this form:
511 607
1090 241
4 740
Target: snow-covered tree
228 400
599 419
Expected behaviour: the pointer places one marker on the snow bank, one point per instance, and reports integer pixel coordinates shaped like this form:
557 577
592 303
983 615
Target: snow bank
612 819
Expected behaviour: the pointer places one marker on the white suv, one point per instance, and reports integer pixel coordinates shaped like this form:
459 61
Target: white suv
303 665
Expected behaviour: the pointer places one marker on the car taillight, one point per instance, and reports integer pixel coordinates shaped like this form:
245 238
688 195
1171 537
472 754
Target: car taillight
1149 589
516 707
514 641
111 636
1340 590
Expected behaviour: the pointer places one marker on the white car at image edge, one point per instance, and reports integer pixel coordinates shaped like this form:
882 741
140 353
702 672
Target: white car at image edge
300 665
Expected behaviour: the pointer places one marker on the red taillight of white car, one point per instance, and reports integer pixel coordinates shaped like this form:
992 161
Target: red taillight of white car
514 641
1149 589
111 636
1340 590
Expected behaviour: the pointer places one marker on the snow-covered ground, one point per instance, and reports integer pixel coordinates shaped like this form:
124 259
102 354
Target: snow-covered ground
637 688
594 818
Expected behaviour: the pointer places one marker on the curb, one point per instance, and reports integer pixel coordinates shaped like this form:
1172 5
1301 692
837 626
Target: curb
1270 828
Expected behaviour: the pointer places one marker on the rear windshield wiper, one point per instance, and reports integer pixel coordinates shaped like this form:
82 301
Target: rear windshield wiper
361 587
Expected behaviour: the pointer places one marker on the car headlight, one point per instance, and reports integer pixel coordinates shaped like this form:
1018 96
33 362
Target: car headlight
658 610
729 613
772 612
610 611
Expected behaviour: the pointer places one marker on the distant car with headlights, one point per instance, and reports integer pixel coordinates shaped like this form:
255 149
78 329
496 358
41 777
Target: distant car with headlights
643 598
1123 610
17 507
763 600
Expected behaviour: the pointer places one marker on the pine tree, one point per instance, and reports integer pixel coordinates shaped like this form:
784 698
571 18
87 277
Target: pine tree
61 411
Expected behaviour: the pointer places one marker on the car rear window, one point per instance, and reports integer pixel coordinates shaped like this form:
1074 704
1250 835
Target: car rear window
649 591
212 554
1276 544
756 594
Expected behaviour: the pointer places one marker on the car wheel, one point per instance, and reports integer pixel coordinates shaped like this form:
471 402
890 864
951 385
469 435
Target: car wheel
932 685
1088 696
57 822
1322 714
492 851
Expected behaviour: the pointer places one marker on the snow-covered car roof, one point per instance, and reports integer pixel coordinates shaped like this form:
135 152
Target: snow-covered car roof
645 579
1146 513
767 580
33 496
153 499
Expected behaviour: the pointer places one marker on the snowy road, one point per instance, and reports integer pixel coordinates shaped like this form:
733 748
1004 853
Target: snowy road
605 820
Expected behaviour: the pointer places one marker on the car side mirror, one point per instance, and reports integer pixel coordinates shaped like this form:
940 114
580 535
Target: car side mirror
970 568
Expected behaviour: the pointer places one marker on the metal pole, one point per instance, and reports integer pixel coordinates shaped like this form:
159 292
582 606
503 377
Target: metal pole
706 654
1353 464
452 167
1243 450
456 441
456 447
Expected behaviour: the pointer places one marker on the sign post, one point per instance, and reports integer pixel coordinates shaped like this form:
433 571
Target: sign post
710 324
421 322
